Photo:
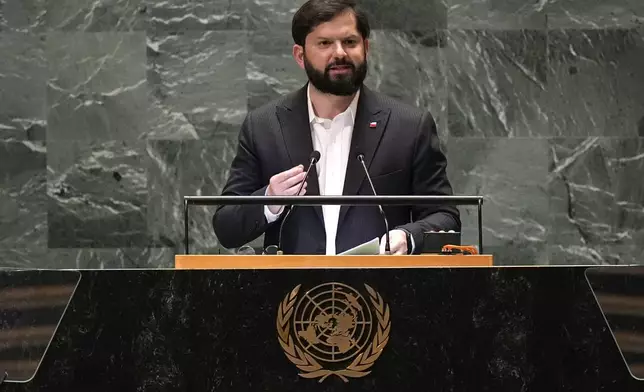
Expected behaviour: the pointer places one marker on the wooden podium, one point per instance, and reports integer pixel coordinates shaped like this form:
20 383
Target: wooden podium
317 261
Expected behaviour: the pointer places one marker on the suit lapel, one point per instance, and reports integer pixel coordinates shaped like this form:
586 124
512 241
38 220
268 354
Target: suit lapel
293 117
365 139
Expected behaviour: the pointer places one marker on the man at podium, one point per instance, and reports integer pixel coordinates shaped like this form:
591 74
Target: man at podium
337 124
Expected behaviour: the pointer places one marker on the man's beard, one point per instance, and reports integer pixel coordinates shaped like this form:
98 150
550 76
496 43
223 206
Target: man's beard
342 84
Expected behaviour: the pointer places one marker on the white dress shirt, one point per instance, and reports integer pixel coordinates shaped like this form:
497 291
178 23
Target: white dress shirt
332 138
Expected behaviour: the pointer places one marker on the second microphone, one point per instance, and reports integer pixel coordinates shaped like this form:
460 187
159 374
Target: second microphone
313 159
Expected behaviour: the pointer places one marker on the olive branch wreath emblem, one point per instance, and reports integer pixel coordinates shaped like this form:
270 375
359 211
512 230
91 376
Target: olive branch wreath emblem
309 366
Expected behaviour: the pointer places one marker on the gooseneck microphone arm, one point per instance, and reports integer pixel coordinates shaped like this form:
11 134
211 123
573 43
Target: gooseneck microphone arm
313 159
382 212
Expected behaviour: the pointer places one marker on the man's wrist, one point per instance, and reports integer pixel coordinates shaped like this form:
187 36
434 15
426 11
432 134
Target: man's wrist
268 211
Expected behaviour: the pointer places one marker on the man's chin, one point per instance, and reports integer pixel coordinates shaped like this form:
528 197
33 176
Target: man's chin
344 91
342 85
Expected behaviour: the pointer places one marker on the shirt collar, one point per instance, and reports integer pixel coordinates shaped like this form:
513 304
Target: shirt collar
351 110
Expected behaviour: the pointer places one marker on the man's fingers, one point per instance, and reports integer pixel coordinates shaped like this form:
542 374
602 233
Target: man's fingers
397 247
293 181
293 190
285 175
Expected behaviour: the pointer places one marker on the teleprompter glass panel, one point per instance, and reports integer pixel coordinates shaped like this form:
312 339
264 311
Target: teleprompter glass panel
619 291
32 304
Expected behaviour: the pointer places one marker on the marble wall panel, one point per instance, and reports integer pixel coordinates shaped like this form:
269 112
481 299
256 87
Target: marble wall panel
112 110
496 81
512 174
594 14
594 82
97 194
87 258
497 14
23 197
96 86
73 15
596 197
411 15
197 84
23 73
185 168
175 16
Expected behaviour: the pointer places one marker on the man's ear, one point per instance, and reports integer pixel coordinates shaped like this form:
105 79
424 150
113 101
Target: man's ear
298 55
366 46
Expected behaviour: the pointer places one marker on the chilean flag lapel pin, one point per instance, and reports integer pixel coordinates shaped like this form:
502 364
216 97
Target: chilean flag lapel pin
373 124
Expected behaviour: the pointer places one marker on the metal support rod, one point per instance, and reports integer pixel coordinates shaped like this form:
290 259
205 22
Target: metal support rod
185 225
480 208
334 200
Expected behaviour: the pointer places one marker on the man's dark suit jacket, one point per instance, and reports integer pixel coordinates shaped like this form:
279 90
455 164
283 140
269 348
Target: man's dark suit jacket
402 155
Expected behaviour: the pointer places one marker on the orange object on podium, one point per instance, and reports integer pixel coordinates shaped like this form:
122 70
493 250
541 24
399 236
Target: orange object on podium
323 261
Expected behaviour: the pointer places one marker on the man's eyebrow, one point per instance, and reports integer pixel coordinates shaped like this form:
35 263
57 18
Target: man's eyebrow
327 38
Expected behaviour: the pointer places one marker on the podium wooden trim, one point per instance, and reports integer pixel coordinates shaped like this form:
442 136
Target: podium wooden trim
318 261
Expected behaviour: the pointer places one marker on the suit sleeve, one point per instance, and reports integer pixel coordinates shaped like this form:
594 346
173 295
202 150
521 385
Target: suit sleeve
429 177
237 225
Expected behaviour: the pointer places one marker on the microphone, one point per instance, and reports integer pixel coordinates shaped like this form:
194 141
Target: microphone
360 157
313 159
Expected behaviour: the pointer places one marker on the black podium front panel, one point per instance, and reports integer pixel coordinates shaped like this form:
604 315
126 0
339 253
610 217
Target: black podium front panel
470 329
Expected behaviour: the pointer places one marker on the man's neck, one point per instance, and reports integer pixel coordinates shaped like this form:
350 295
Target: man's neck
328 105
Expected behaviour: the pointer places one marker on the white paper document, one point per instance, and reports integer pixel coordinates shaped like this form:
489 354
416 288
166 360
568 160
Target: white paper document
368 248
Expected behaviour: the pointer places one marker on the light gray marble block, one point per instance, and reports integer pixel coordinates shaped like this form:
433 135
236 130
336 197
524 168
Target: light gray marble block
23 208
496 81
23 200
86 258
511 173
96 89
97 194
197 84
23 73
595 14
410 15
272 15
186 168
176 16
497 14
595 82
411 67
73 15
596 200
271 71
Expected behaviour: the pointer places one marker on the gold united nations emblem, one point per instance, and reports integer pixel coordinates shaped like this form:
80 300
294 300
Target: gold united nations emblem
333 330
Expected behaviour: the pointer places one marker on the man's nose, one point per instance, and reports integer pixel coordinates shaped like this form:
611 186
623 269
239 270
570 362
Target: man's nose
339 50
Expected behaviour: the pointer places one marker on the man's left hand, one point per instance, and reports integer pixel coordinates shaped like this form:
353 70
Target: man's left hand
397 242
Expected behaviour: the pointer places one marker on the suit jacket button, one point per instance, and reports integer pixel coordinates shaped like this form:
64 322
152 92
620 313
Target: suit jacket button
321 249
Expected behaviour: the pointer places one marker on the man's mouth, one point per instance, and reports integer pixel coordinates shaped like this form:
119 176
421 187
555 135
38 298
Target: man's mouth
341 68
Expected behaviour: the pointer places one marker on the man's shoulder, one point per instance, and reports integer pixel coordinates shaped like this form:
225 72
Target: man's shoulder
269 107
398 106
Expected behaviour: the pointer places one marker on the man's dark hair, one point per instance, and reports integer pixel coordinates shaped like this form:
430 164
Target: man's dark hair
316 12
